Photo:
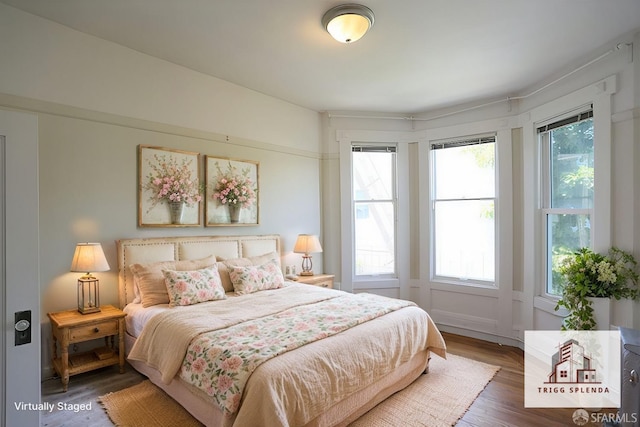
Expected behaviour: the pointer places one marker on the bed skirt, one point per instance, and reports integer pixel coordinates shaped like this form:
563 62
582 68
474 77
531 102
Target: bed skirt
341 414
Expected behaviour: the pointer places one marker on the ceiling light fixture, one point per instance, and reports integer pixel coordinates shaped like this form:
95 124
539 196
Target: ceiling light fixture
348 22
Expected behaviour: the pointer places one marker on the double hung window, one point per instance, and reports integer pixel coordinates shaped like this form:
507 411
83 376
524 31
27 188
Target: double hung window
567 189
375 209
463 209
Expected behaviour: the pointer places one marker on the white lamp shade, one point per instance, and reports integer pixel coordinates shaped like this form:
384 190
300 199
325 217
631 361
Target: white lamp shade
89 257
348 23
306 244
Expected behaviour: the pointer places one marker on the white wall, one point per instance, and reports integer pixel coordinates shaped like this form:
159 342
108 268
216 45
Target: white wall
46 61
481 313
97 101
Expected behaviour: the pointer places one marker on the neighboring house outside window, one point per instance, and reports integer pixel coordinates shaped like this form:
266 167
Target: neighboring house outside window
463 203
567 190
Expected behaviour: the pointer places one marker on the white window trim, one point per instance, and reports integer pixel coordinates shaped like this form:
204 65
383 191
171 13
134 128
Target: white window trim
503 288
599 95
374 278
432 226
503 197
350 282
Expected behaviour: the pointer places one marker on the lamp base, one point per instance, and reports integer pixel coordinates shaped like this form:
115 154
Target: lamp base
88 294
306 273
89 310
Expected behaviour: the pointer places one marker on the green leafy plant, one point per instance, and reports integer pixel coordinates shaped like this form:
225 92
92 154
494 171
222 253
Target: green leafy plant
589 274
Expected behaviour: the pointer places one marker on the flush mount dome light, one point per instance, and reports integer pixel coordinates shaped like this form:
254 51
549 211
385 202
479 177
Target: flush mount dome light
348 22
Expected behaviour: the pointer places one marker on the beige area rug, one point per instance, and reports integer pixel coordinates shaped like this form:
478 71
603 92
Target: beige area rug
438 399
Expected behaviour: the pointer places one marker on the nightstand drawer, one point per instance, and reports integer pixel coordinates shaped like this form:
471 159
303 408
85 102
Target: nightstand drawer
322 280
98 330
325 283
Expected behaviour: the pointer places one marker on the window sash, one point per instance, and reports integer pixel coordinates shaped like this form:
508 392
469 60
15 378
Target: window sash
547 210
460 272
365 206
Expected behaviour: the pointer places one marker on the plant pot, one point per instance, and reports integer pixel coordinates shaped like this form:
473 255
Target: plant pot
601 312
175 212
622 313
234 213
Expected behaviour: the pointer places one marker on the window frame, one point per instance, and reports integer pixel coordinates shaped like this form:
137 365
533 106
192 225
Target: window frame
386 148
466 141
545 183
599 94
399 286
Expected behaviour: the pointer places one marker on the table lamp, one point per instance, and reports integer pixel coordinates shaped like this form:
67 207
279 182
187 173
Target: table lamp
89 257
306 244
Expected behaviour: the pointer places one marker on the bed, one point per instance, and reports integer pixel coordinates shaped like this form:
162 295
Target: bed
330 375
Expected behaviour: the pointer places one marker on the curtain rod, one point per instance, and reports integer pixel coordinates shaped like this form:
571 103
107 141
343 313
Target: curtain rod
619 46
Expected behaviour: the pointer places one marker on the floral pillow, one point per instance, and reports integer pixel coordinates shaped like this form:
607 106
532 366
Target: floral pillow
150 280
192 287
224 265
255 278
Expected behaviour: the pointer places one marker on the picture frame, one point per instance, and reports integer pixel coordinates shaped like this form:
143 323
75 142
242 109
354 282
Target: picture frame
232 192
170 191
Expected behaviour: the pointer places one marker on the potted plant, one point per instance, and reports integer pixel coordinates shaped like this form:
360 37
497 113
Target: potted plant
592 275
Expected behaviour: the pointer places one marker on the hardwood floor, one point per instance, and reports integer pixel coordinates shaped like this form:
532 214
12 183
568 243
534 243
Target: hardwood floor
501 404
84 389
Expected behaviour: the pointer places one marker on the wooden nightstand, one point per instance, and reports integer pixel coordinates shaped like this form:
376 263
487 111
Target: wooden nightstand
71 327
324 280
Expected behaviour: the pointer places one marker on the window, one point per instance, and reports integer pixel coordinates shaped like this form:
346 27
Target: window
463 203
567 189
374 200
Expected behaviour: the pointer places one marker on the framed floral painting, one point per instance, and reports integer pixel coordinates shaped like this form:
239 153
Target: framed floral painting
169 188
231 192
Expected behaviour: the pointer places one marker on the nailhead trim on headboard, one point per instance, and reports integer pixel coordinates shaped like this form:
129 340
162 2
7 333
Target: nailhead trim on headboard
244 246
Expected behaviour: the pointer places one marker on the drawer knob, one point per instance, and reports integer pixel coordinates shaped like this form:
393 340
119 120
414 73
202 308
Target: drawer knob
633 376
96 330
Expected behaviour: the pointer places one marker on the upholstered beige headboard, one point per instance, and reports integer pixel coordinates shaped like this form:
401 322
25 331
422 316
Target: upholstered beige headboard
143 251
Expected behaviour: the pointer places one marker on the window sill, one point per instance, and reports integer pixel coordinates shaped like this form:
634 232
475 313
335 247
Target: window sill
464 283
548 305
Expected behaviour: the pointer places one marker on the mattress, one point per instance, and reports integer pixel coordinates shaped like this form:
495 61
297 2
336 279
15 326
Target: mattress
300 386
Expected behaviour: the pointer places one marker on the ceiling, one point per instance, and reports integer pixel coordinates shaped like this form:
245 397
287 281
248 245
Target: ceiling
420 55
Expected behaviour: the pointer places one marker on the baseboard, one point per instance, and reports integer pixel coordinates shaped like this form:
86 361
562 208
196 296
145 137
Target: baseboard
482 336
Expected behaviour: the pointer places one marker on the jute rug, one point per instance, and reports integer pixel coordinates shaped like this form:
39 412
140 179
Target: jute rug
438 399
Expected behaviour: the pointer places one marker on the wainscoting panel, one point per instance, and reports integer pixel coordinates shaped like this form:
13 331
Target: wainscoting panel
464 321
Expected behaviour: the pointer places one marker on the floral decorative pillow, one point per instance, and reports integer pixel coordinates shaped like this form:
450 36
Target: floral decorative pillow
150 280
255 278
193 287
224 265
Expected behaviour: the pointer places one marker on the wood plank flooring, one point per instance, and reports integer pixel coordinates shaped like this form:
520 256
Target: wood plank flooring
501 404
